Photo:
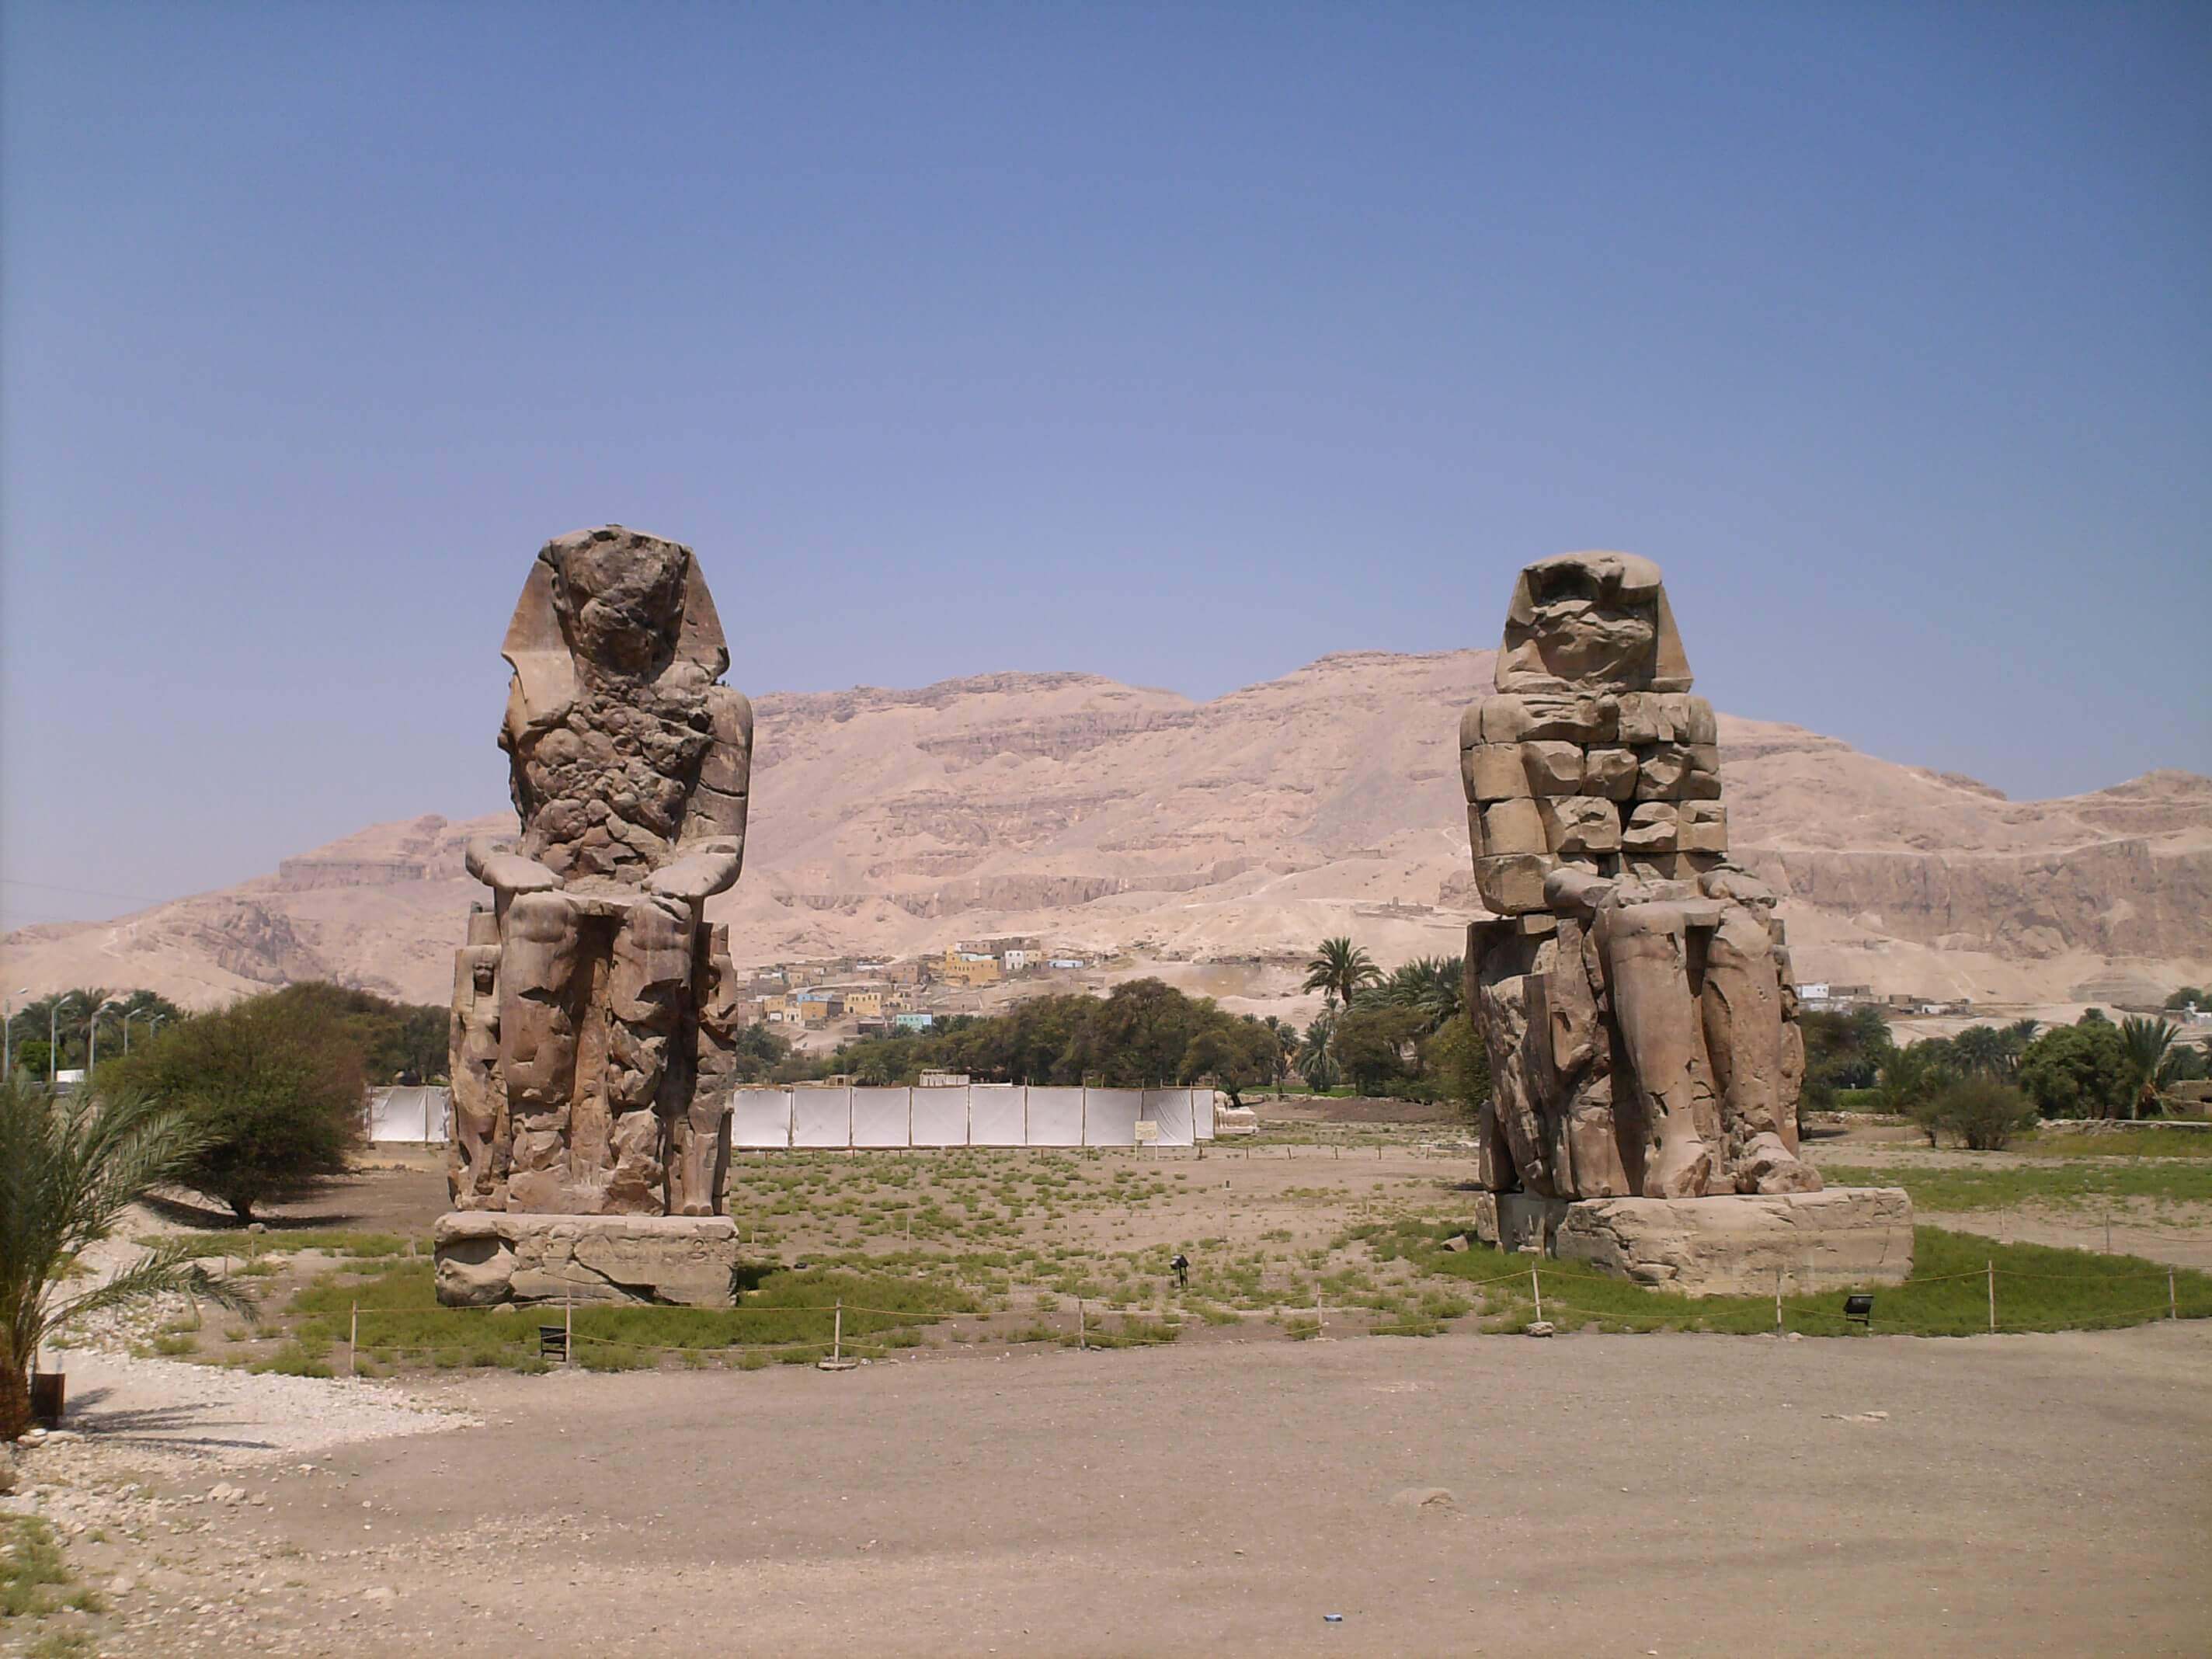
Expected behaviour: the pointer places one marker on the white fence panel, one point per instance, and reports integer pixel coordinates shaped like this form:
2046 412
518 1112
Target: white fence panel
995 1116
1170 1108
761 1119
879 1117
1055 1117
419 1116
1110 1116
1202 1101
941 1116
822 1117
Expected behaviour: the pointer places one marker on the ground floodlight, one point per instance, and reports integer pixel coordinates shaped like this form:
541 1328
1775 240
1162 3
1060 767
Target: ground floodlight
1860 1308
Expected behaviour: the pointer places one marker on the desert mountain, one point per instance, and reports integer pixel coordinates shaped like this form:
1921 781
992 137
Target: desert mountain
1227 836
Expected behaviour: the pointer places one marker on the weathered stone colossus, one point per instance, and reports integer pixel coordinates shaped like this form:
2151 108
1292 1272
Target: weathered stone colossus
593 1006
1633 987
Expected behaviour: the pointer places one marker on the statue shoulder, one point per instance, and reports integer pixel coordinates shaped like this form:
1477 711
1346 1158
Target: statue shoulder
1499 717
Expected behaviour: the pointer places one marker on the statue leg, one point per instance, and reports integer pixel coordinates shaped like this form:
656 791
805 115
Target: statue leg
540 1016
476 1171
1741 1005
698 1169
1647 971
649 996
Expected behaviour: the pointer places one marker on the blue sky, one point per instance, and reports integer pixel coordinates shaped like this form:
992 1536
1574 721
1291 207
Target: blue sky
1181 345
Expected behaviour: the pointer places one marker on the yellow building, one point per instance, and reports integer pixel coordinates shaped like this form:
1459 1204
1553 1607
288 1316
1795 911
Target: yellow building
966 968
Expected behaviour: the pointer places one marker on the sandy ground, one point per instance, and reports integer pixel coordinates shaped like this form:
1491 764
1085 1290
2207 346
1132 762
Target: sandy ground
1600 1495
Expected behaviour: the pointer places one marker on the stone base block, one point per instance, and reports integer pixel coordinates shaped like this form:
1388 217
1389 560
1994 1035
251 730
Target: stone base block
1844 1238
485 1257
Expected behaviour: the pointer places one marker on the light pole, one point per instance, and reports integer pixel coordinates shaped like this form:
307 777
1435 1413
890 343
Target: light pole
54 1039
8 1034
92 1037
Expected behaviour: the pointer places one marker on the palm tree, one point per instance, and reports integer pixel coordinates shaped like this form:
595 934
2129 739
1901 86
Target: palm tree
1314 1062
1983 1049
1908 1081
2149 1045
69 1166
1338 970
1434 985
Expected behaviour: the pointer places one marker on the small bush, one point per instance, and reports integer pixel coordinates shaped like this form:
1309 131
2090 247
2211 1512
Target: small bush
1985 1115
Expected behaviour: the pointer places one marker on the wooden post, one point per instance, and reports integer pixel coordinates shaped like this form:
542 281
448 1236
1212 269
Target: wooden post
2170 1304
353 1334
1778 1301
569 1328
1082 1326
1993 1298
1537 1285
837 1331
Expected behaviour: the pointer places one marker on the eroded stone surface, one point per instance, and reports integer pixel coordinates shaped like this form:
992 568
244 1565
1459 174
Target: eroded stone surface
593 1010
1842 1238
485 1257
1643 1040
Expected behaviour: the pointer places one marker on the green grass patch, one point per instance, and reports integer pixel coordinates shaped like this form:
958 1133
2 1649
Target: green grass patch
2070 1182
2038 1289
337 1241
402 1322
2146 1140
31 1567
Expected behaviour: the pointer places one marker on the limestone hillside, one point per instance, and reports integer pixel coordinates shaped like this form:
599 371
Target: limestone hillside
1223 838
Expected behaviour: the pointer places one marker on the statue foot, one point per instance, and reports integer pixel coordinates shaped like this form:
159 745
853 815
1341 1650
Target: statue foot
1768 1166
1679 1169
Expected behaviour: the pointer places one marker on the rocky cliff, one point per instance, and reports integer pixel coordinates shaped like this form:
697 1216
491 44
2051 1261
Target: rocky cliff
1109 818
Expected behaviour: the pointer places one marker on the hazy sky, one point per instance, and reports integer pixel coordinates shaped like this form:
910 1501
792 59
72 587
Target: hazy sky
1179 345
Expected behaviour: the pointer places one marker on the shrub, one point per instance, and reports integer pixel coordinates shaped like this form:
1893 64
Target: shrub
2078 1071
1984 1114
273 1086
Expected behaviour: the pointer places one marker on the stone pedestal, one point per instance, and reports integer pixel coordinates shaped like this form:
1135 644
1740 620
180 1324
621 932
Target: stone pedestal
1843 1238
486 1257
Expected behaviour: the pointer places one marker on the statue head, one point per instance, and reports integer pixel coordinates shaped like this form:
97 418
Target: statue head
1591 622
621 602
619 595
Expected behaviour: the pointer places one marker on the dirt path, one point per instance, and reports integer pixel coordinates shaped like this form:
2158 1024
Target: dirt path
1607 1495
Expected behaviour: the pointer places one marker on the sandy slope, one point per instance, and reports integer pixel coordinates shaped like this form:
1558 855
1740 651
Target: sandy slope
1111 817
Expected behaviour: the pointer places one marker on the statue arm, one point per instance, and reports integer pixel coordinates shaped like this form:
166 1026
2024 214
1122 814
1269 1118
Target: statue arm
706 868
505 871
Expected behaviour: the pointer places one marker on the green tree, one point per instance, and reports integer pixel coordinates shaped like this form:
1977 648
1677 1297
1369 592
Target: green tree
1372 1045
1909 1081
1237 1055
1138 1036
2078 1071
1287 1047
1984 1113
70 1167
1314 1062
398 1041
2149 1045
271 1086
1842 1051
1338 970
2188 996
1433 986
1457 1058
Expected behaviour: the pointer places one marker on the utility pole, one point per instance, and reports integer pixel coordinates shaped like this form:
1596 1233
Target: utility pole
8 1034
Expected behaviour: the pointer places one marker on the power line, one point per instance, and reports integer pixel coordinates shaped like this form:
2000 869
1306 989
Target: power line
89 892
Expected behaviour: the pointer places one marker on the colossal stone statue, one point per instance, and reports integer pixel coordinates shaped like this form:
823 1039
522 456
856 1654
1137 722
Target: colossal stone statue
592 1007
1632 984
1634 989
